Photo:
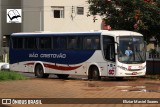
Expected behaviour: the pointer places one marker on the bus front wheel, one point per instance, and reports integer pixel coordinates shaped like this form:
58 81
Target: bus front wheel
94 74
39 72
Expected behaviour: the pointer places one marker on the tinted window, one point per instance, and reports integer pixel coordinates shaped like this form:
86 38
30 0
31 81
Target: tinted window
59 42
17 42
72 42
45 43
75 42
30 43
92 43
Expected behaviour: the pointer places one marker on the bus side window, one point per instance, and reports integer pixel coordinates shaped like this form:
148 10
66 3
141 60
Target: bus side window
92 43
87 43
60 43
79 42
45 43
96 43
30 43
72 43
17 42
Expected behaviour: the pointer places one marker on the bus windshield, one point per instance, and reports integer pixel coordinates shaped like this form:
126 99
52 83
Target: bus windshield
131 49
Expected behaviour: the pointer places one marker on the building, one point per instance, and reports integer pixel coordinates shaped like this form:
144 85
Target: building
58 16
46 15
7 28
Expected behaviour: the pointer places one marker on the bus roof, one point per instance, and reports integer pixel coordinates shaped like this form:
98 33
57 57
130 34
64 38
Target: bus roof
97 32
121 33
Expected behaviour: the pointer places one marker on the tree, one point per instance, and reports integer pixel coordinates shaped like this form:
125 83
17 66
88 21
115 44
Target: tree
137 15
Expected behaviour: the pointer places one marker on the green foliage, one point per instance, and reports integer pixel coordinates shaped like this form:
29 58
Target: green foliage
11 75
153 51
136 15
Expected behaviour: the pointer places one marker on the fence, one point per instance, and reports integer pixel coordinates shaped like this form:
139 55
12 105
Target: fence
153 63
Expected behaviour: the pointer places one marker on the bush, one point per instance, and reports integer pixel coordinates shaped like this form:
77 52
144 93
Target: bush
11 75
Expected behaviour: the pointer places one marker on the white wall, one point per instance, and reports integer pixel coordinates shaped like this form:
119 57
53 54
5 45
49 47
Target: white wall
38 16
79 22
32 15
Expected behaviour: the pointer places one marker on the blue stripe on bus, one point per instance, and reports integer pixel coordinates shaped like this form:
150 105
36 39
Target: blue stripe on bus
58 34
52 56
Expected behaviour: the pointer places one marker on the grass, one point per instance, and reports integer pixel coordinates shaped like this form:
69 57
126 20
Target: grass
10 75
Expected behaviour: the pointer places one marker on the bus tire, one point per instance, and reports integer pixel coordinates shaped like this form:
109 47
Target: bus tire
62 76
39 72
94 73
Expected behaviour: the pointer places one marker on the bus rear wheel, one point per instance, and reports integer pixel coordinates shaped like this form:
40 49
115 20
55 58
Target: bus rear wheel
94 74
39 72
62 76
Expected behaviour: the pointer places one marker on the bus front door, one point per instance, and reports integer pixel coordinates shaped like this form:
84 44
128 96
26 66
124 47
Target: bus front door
110 56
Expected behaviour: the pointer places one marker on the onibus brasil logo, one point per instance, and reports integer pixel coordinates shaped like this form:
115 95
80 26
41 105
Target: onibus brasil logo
21 101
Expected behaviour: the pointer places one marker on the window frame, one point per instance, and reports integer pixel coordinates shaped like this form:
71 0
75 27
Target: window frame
92 45
80 10
35 42
58 43
12 42
61 10
44 48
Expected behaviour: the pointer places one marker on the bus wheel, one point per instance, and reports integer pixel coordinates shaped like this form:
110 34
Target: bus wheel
39 72
62 76
94 74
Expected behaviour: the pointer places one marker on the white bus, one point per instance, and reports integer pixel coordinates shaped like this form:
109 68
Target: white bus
94 54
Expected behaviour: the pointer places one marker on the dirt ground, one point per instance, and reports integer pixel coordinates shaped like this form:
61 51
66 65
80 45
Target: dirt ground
82 88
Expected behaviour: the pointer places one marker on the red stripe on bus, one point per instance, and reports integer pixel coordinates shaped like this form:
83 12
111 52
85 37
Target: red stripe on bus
31 63
61 67
57 67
